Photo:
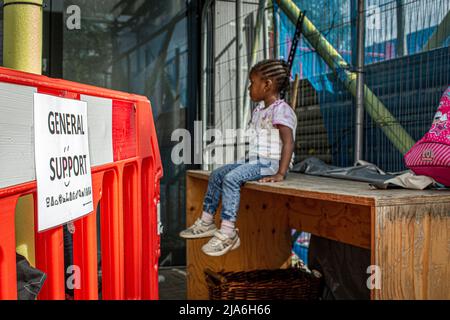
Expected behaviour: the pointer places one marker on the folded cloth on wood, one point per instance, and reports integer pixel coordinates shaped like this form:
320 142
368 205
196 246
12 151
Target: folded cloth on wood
365 172
408 180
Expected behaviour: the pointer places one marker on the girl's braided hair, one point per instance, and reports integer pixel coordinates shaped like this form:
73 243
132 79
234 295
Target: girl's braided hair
275 70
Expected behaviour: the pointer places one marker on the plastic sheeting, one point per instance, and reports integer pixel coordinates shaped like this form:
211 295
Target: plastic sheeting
365 172
29 279
344 268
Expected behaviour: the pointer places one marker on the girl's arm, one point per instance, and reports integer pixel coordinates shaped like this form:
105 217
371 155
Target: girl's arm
286 154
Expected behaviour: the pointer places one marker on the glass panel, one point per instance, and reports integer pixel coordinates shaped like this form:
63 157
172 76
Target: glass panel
139 47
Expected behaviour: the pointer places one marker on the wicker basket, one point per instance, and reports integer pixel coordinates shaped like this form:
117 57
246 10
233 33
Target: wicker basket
263 285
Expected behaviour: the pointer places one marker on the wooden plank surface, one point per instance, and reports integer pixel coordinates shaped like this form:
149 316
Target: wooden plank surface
265 222
346 223
407 231
265 239
341 190
412 249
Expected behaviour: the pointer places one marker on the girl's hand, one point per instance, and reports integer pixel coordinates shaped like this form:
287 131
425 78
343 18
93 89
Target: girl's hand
276 178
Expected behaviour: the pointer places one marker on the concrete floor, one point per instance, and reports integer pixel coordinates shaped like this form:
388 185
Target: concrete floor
172 283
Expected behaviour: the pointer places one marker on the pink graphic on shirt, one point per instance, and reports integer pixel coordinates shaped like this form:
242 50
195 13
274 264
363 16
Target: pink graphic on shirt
284 115
278 112
264 138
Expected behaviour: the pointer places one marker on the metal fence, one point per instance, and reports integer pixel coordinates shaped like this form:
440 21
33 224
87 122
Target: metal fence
225 102
406 68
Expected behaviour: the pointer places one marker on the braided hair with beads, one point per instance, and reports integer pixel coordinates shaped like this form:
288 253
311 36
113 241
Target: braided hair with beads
275 70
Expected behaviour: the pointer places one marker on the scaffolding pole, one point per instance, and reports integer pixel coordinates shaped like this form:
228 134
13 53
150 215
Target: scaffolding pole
401 140
201 154
256 45
22 36
239 111
266 40
359 119
276 36
22 50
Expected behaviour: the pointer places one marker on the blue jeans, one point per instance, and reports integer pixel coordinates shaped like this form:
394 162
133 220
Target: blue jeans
227 181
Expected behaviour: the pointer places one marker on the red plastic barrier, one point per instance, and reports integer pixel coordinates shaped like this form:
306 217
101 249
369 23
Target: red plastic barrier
127 191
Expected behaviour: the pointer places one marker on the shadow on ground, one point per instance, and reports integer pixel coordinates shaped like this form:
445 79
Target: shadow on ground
172 283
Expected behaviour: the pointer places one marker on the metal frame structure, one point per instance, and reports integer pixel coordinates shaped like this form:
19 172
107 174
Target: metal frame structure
208 47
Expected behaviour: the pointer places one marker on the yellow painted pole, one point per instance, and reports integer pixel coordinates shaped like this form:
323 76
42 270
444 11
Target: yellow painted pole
22 35
22 50
25 229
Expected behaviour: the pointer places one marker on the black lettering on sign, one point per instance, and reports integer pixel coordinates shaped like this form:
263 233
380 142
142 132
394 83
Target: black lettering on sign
65 123
67 167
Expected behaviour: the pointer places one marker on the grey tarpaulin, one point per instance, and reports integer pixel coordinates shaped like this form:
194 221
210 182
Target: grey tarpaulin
365 172
344 268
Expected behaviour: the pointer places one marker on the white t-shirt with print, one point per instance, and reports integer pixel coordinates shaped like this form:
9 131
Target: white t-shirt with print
264 137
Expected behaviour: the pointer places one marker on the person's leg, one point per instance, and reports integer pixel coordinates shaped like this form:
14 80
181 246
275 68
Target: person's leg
212 196
204 226
232 183
226 238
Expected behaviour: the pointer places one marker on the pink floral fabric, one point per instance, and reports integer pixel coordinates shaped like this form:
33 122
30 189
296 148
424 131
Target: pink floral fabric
265 141
278 113
440 129
430 156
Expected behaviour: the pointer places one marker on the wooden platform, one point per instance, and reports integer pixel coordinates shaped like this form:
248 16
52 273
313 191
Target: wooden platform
407 231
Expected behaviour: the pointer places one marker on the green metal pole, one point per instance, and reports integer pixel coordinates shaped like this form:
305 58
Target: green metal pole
374 107
22 50
22 35
439 35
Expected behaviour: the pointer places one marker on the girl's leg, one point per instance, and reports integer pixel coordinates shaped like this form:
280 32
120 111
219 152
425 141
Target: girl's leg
227 239
232 183
204 226
212 196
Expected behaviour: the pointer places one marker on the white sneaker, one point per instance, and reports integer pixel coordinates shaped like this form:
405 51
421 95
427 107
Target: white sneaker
221 244
199 230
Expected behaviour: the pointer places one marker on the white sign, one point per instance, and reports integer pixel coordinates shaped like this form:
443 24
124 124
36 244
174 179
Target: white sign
63 166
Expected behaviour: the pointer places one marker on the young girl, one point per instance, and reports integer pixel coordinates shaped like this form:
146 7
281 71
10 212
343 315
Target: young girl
270 158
